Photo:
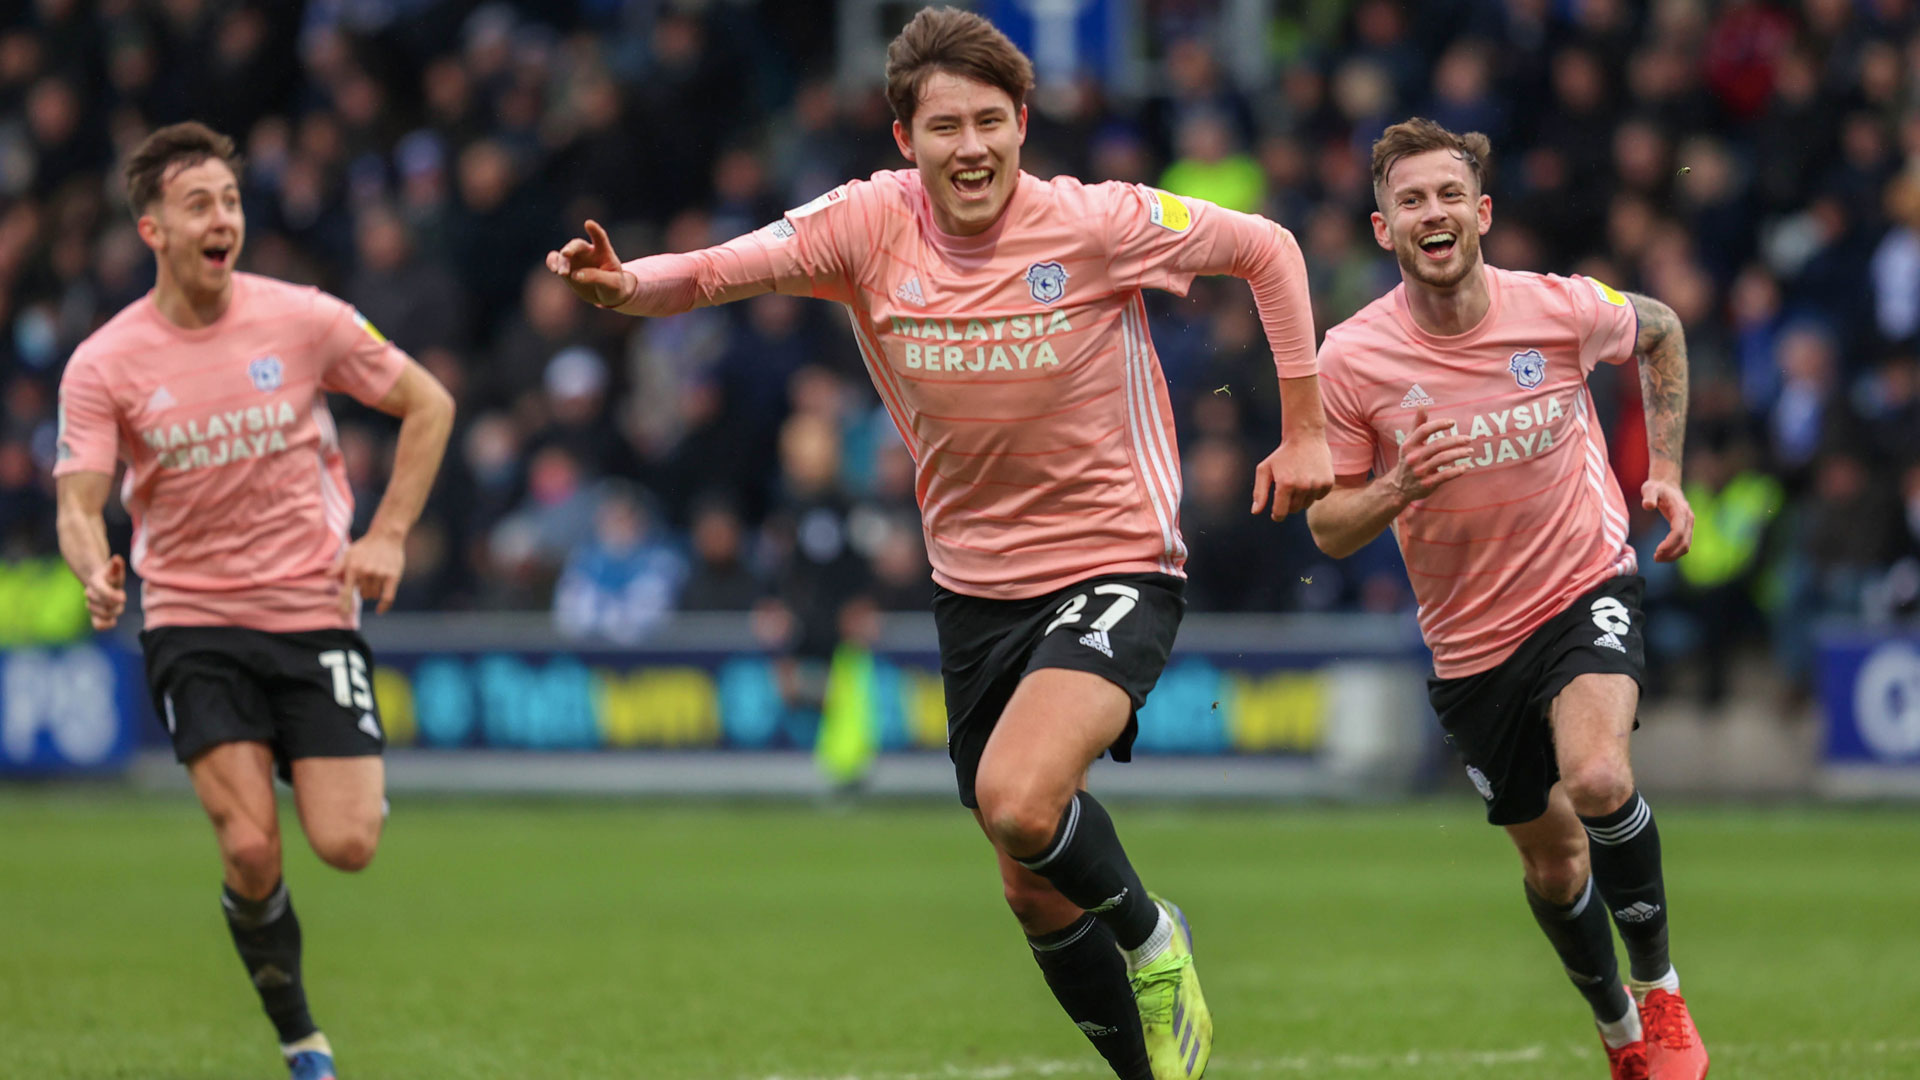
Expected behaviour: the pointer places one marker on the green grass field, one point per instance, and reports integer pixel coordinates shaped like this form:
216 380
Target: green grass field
634 940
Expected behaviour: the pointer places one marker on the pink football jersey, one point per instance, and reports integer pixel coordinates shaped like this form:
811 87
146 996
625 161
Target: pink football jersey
234 479
1016 363
1538 518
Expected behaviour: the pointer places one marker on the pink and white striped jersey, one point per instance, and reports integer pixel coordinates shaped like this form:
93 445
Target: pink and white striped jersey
234 478
1015 363
1539 518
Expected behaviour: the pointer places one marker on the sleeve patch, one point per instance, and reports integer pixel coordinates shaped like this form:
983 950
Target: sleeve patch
781 230
373 332
1168 212
1607 292
814 206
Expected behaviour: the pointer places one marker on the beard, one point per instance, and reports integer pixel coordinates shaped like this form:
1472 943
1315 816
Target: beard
1466 257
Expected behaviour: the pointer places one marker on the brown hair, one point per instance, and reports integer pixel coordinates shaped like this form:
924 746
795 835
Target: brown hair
176 146
958 43
1419 135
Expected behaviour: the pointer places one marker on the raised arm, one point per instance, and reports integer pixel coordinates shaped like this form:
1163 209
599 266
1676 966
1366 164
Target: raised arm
82 498
1359 509
1661 349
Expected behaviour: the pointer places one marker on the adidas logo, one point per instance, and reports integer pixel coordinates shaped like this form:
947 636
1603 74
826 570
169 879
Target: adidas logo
1098 640
909 291
271 978
1094 1029
1638 912
160 400
1610 640
1416 398
369 725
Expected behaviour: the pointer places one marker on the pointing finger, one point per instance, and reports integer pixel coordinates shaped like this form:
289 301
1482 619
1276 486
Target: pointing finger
602 246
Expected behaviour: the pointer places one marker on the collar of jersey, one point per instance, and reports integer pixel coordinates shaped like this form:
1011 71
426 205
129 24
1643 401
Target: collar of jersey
1404 313
979 240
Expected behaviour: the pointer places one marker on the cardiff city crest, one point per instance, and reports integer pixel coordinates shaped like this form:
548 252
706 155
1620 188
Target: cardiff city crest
265 373
1047 281
1529 368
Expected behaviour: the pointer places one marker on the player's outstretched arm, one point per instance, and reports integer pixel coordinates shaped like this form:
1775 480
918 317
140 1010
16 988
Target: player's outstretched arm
82 498
1358 509
767 260
1661 349
374 563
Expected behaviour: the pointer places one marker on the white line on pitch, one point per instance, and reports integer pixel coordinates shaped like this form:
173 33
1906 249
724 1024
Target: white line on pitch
1301 1063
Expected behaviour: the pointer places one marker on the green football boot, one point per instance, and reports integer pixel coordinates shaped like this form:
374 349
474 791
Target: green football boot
1173 1012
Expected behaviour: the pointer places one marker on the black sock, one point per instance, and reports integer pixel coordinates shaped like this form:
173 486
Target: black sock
1580 934
1086 972
1625 848
267 934
1085 862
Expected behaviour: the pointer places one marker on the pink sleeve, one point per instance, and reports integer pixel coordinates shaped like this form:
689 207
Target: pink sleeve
89 434
802 254
1350 438
1609 326
354 357
1163 241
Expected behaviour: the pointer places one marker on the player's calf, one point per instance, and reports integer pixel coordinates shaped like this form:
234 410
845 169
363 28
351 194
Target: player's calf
266 933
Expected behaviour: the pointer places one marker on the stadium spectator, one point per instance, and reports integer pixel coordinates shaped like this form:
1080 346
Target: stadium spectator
721 579
625 579
418 156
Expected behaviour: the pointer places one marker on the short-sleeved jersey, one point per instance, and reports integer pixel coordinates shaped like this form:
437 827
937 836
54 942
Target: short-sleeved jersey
1016 363
1538 518
234 478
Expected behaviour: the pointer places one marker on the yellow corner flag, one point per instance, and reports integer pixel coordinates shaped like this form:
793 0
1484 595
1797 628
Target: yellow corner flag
848 740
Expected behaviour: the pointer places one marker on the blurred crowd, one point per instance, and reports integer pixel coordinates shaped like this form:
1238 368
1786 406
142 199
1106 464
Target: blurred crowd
1756 166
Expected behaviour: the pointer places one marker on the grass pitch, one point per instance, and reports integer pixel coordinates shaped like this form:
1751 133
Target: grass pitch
634 940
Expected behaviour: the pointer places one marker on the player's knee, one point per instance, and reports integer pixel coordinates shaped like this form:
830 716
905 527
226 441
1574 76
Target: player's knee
1598 788
1559 877
1021 826
1018 815
350 851
253 855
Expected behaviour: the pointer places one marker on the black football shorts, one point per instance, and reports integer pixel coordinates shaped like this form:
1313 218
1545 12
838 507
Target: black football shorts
1498 721
1119 627
304 694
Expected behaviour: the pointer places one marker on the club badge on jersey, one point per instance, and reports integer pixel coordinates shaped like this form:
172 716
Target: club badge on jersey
1047 281
1529 368
265 373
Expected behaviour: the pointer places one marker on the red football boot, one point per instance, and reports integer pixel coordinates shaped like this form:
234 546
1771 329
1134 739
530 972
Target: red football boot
1629 1062
1674 1050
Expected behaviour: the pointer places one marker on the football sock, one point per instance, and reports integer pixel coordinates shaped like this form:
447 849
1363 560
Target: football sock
267 935
1156 944
1627 1029
1670 982
1625 849
1085 861
1084 970
315 1041
1580 935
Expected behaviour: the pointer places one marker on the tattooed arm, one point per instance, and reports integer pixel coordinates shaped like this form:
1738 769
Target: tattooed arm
1661 349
